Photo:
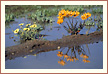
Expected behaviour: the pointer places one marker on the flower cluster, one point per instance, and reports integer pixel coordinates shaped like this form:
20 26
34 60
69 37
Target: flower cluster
28 27
27 31
61 62
63 13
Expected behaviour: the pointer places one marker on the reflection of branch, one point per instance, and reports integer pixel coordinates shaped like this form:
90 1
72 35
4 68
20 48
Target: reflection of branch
31 47
88 48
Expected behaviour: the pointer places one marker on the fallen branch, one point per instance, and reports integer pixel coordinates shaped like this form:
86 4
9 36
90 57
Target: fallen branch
31 47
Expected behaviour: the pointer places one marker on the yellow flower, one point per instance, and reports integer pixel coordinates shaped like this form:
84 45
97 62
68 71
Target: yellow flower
76 13
21 24
28 24
33 26
16 31
26 29
59 21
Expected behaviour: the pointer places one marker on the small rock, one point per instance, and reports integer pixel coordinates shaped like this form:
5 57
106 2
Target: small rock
58 47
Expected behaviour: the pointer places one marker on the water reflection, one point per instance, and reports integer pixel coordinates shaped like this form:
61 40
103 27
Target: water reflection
73 54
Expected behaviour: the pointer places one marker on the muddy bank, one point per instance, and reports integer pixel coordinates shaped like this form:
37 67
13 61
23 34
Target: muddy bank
37 46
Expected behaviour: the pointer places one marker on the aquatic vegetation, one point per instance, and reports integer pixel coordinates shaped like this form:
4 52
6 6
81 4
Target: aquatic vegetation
9 17
28 31
41 16
97 11
72 28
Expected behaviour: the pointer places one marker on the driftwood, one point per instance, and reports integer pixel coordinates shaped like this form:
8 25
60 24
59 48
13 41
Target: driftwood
37 46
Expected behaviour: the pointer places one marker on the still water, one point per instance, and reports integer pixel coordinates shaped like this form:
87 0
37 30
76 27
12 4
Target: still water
49 59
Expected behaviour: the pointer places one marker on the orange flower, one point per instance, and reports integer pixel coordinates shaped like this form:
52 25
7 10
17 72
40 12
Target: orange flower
88 14
71 13
83 17
59 21
60 17
62 13
67 13
75 13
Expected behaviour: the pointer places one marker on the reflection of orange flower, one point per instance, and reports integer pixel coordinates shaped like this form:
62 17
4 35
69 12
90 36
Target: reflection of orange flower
81 55
75 59
69 58
60 54
65 56
72 59
59 21
86 61
85 56
62 62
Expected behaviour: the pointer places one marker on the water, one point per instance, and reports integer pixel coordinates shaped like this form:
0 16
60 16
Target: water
49 59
